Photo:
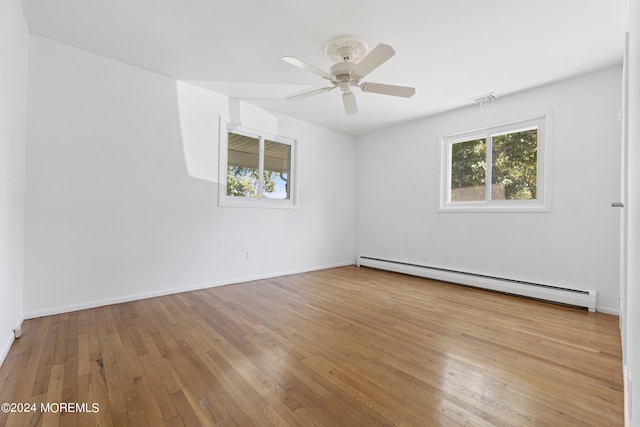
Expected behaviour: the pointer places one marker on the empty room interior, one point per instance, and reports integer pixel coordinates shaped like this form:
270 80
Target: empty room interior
418 213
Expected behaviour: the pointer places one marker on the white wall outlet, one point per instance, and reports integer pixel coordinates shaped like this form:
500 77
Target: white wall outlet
249 255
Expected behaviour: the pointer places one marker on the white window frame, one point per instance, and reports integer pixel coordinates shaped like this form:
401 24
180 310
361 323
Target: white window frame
260 202
540 204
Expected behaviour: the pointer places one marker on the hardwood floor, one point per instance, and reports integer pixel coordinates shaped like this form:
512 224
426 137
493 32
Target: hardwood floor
341 347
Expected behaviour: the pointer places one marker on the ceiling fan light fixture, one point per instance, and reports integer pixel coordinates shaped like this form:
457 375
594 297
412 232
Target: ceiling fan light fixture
345 86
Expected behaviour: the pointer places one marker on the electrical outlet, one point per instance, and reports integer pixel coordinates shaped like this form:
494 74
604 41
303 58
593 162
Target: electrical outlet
249 255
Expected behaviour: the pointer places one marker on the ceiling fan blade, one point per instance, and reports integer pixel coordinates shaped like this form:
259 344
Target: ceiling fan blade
403 91
301 64
349 101
309 93
378 56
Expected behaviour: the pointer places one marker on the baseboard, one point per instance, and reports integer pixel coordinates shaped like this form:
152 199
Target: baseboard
135 297
7 346
8 343
608 310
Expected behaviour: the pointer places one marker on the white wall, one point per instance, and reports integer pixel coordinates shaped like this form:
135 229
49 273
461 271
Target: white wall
574 245
120 201
14 46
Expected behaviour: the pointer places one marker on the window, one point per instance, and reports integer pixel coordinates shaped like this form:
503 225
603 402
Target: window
499 168
256 169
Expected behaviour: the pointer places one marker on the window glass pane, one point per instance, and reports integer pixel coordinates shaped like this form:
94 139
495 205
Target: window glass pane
244 163
468 171
514 165
277 163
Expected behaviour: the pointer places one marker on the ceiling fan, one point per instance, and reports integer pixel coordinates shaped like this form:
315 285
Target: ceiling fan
352 63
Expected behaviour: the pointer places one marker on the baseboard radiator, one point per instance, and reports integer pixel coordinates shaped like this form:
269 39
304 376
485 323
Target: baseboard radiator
574 297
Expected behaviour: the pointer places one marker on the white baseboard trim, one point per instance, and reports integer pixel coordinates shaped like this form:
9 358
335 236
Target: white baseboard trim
9 339
608 310
134 297
8 342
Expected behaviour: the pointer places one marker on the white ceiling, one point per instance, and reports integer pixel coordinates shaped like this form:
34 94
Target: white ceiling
449 50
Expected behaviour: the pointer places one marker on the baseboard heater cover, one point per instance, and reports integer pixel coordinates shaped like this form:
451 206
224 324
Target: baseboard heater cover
575 297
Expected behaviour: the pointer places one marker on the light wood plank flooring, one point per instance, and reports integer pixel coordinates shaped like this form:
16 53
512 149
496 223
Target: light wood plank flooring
341 347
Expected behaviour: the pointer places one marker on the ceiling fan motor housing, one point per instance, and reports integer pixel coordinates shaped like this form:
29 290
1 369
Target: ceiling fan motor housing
343 73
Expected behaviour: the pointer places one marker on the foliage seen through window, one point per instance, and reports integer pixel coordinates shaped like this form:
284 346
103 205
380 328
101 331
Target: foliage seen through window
513 172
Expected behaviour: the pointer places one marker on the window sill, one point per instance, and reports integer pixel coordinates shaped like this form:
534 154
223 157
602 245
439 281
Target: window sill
533 207
243 202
